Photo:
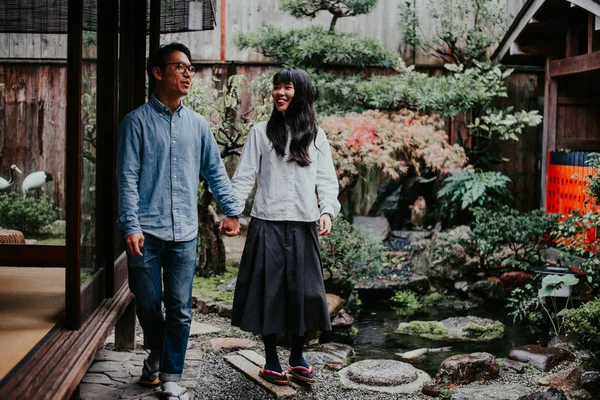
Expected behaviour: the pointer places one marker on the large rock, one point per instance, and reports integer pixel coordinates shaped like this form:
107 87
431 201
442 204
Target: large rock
228 286
334 304
468 328
331 355
490 392
489 289
570 381
514 279
386 288
544 359
378 227
466 368
550 394
388 376
443 259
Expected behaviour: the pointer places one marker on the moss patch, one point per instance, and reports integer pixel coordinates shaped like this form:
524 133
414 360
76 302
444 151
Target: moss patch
484 332
428 329
207 287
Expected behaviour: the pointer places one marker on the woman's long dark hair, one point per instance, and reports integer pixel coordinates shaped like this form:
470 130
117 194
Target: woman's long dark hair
300 117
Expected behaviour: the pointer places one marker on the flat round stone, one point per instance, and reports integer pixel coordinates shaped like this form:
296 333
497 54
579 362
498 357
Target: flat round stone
382 372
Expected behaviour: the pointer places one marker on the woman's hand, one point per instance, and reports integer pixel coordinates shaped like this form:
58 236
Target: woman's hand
325 225
229 226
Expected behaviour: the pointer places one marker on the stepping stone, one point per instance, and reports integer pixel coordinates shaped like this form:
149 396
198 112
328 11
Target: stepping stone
199 328
97 378
250 369
230 344
109 355
98 392
544 359
388 376
106 366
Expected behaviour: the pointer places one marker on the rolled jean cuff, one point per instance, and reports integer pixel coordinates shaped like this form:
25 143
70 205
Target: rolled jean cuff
169 377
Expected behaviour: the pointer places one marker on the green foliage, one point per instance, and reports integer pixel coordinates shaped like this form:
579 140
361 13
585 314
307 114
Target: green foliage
351 251
338 8
222 108
405 302
459 91
474 188
593 180
524 305
556 315
314 46
464 30
446 394
207 286
582 323
525 234
26 214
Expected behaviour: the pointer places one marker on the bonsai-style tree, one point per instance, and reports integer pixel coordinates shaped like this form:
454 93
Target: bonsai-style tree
313 46
230 127
338 8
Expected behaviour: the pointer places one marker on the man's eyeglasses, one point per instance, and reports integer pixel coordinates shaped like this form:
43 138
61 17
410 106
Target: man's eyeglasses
181 67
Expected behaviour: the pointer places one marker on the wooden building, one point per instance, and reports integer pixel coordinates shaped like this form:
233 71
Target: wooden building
53 318
563 37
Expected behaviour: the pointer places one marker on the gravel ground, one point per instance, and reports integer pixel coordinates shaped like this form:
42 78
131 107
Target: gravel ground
219 381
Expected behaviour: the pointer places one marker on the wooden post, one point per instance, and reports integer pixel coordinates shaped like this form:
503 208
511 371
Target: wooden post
125 329
73 164
549 137
590 32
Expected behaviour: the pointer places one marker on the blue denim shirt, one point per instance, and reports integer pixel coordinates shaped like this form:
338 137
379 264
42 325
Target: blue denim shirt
160 158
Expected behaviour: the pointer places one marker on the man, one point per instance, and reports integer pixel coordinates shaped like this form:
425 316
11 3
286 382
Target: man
163 149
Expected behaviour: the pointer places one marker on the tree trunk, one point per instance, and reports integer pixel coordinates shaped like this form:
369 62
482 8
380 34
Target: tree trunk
211 250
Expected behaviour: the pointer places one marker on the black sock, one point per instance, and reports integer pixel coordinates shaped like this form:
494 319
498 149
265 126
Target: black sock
272 360
296 358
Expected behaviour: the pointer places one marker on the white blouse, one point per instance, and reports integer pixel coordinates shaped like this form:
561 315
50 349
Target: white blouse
286 191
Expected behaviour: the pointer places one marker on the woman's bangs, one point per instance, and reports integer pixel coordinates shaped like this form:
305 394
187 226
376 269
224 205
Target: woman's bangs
283 76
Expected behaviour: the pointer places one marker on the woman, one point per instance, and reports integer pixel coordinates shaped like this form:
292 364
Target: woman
280 282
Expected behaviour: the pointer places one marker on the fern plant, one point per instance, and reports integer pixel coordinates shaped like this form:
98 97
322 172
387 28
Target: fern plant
468 189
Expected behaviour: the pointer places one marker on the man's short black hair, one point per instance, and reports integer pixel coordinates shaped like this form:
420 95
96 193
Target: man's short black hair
159 57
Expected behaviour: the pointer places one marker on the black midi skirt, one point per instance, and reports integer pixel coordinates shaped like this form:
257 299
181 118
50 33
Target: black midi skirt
280 281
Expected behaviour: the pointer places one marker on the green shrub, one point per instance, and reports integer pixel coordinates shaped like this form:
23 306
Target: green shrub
474 188
405 302
351 251
582 323
525 234
26 214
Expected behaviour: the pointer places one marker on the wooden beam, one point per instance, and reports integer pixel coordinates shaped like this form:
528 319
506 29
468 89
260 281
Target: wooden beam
520 22
73 164
578 144
532 47
572 45
588 5
575 65
579 101
26 255
549 136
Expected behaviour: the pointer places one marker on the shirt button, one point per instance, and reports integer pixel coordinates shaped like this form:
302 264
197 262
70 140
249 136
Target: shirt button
175 194
174 141
174 158
175 176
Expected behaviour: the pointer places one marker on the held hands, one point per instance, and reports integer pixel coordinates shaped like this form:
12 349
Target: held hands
229 226
325 225
134 243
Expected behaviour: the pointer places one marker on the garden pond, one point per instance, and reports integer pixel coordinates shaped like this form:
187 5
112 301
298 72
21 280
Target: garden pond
378 339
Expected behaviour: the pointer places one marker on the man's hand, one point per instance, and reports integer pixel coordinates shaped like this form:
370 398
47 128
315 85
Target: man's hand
325 225
134 243
229 226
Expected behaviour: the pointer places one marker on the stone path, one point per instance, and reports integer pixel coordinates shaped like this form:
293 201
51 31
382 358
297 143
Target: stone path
116 374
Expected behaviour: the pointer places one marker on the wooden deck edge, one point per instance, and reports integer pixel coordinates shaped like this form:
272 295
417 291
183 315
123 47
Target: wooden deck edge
57 369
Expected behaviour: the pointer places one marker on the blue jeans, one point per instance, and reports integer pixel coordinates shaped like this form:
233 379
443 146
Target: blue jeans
168 336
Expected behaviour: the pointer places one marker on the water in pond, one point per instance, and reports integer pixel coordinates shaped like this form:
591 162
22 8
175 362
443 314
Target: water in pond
378 339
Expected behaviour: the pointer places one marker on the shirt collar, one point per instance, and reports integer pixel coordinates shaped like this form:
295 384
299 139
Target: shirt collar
162 109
